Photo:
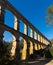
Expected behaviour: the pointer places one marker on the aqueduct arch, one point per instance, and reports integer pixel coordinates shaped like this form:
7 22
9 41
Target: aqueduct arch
40 42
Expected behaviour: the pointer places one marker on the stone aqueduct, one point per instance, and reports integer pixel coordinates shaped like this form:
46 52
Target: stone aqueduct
37 39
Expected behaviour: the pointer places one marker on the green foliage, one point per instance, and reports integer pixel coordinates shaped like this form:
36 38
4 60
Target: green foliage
51 51
4 55
21 44
51 41
50 10
48 54
49 18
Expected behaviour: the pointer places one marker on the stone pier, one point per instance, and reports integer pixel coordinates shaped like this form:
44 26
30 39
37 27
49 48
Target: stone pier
31 44
24 50
14 44
35 44
39 39
2 13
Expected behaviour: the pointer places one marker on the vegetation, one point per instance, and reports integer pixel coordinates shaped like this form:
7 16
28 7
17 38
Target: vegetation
49 18
52 40
51 49
5 53
49 53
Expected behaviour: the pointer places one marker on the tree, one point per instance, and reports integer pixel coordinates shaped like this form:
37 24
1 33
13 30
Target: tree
52 40
49 18
51 49
4 54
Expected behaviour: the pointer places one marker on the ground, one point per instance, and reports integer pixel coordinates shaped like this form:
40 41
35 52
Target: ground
39 62
50 63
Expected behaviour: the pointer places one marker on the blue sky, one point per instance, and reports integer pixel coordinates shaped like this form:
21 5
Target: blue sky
35 12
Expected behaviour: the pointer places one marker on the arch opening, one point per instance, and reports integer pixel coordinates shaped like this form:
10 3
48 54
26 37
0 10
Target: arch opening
9 19
21 26
8 37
